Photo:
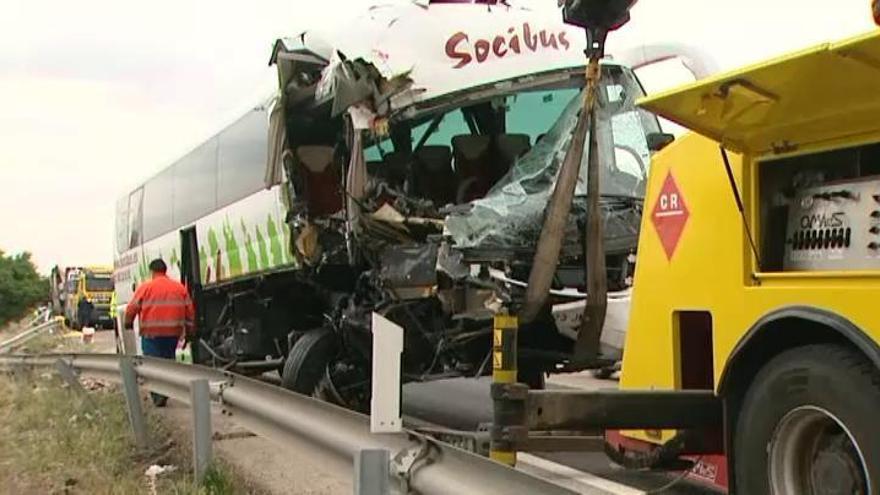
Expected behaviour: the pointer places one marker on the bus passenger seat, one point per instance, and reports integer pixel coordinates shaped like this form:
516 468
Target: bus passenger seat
322 179
395 169
471 154
432 174
511 147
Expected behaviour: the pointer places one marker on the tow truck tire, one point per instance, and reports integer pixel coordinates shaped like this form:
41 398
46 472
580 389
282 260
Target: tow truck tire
808 425
308 359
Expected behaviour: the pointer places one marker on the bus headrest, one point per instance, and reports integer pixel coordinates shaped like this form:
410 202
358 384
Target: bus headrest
513 146
316 158
470 146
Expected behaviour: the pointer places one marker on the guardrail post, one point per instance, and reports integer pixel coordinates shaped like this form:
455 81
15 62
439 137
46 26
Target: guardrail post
65 371
200 396
508 398
371 472
133 401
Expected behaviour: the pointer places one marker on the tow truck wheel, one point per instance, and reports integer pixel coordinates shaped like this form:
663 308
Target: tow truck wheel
308 359
808 425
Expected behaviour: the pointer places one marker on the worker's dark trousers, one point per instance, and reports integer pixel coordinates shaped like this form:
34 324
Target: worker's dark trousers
160 347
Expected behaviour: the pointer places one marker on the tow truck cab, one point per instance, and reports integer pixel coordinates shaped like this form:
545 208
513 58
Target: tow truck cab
759 266
94 284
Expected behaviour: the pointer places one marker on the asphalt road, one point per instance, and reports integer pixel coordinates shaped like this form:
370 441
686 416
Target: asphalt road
464 404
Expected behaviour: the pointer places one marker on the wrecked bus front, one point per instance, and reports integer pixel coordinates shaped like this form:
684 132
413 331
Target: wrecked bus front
416 179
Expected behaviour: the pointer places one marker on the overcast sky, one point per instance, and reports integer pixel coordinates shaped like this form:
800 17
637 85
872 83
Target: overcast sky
96 95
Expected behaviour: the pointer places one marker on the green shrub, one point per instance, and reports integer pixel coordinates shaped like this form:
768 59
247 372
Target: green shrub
21 287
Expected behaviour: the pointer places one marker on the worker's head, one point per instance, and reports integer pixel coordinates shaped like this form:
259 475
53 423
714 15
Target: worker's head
158 267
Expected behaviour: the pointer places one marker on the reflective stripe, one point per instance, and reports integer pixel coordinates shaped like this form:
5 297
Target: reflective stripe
166 302
163 323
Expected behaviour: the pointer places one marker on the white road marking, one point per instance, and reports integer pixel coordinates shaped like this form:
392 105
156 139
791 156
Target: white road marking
573 479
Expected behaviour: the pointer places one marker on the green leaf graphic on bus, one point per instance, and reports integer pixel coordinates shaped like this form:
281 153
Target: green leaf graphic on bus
261 248
285 229
274 242
174 259
249 248
203 264
233 255
214 253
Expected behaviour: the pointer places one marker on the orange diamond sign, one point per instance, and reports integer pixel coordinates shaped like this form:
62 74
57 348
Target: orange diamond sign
670 215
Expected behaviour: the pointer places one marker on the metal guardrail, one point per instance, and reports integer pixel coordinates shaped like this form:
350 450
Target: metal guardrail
419 464
25 336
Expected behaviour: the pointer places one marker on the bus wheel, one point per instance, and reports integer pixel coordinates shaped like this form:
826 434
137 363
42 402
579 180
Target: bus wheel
308 359
808 425
534 378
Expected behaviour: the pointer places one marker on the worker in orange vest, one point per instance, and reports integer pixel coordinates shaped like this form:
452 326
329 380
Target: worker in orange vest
166 314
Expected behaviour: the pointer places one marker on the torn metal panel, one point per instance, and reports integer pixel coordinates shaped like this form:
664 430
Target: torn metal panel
451 263
299 60
277 144
409 271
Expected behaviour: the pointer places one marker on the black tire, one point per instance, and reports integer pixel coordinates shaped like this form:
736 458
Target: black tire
829 396
535 379
308 359
602 373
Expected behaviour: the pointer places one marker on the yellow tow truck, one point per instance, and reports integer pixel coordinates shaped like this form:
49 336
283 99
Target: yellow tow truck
752 358
92 284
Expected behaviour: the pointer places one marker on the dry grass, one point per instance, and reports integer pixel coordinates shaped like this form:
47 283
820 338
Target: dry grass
57 441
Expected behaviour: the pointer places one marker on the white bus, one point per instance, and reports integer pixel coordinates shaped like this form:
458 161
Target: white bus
403 169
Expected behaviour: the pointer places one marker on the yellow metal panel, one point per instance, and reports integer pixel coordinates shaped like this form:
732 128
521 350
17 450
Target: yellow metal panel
821 98
811 96
710 270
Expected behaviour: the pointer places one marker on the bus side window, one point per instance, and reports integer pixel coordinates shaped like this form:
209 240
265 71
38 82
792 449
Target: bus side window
241 158
135 215
122 239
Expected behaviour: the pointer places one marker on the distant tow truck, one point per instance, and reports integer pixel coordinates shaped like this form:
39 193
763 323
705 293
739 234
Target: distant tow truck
93 284
752 357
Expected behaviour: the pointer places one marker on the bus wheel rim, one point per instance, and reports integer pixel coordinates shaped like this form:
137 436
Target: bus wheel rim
812 452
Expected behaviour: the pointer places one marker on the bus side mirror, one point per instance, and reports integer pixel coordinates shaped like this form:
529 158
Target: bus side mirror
659 140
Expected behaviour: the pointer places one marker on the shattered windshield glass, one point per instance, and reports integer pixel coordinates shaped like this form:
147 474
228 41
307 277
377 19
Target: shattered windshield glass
511 214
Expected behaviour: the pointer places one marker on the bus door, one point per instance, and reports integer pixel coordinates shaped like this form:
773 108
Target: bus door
131 266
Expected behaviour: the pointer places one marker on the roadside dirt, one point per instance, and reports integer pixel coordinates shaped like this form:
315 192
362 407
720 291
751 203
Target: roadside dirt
263 464
266 466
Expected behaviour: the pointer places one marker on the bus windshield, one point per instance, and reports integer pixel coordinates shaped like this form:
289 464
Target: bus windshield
512 212
99 283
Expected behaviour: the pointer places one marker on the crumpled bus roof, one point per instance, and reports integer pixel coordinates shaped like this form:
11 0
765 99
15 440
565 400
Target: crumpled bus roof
438 47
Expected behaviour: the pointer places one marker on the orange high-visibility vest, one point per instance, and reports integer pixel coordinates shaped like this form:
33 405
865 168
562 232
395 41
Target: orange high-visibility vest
163 306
